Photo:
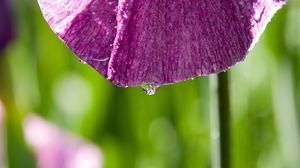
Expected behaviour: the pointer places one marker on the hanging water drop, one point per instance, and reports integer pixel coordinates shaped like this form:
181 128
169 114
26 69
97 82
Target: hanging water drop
150 89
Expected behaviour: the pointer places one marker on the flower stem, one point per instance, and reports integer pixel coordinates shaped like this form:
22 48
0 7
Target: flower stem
220 121
224 119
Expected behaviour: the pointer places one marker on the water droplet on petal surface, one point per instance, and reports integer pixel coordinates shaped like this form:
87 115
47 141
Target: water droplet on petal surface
83 62
150 89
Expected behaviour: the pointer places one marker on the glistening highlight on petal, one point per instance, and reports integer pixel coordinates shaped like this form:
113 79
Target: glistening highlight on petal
133 42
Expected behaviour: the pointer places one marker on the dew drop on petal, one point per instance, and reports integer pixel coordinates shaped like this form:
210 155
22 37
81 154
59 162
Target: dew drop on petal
150 89
83 62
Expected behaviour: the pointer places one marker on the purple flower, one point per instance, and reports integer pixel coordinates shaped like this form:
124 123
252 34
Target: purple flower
6 28
53 146
133 42
57 148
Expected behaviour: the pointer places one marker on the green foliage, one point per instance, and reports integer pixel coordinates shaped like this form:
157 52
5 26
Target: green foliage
170 129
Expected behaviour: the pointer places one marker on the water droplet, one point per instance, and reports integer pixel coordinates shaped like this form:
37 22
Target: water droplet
150 89
83 62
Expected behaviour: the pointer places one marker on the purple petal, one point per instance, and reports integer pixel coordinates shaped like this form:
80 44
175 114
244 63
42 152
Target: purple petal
132 42
6 28
86 26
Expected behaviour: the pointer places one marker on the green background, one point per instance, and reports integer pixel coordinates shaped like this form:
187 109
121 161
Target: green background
170 129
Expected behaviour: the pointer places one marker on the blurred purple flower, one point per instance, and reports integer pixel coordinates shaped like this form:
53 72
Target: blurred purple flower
6 28
56 148
133 42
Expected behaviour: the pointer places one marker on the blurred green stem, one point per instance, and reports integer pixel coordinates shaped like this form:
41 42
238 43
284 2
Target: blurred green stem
220 121
17 151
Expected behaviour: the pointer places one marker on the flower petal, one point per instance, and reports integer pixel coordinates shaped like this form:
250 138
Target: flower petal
86 26
132 42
